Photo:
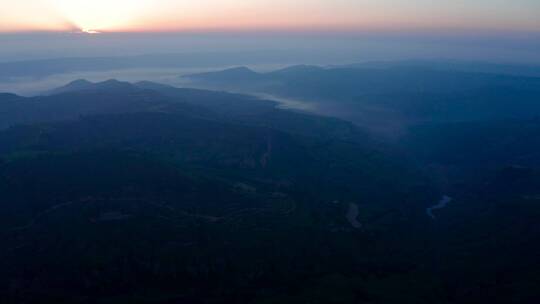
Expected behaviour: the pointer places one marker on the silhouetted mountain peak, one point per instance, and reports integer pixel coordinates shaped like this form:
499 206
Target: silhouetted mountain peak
239 70
297 69
7 96
113 84
232 74
85 85
79 83
76 85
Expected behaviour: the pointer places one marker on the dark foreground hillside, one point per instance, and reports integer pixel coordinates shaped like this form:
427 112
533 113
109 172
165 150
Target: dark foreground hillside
151 194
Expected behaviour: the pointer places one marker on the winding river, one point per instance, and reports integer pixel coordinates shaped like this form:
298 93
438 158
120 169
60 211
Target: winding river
445 200
352 216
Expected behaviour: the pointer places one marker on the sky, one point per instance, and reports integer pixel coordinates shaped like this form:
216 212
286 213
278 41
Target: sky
274 31
246 15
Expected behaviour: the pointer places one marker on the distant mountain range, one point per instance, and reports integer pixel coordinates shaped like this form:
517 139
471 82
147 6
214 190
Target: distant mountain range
380 96
46 67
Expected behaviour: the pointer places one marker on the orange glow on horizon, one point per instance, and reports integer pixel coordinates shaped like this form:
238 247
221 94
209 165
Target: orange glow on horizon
240 16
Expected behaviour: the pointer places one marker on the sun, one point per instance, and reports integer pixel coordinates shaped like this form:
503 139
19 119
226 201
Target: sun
89 31
94 16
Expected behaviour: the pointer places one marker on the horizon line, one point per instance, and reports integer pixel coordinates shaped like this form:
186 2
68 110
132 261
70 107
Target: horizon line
459 31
